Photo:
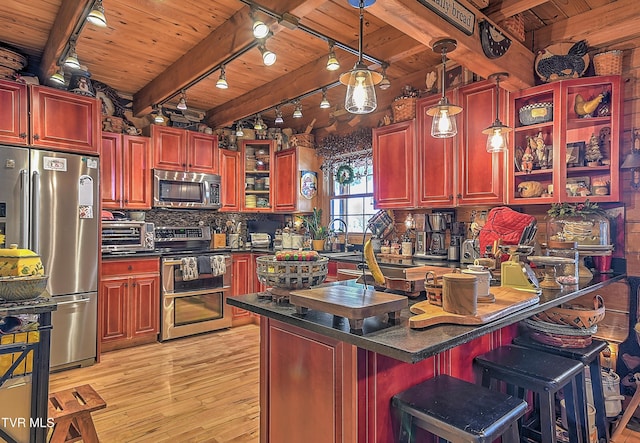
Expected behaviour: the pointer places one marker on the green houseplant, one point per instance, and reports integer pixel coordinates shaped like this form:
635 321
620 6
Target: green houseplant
318 231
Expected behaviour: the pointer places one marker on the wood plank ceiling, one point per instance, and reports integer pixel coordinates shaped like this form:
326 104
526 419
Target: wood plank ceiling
153 49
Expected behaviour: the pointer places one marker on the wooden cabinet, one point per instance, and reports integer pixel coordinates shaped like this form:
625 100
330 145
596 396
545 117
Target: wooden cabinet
129 306
583 110
394 166
258 162
177 149
287 181
14 113
64 121
242 271
230 180
125 168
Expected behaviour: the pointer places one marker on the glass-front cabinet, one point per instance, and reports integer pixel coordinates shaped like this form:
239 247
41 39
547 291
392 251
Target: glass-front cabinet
566 141
258 163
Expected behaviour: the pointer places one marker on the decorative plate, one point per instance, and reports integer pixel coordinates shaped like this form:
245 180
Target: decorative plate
345 175
562 61
494 43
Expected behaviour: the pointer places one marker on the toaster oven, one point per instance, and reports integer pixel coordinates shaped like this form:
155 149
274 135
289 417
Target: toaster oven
120 236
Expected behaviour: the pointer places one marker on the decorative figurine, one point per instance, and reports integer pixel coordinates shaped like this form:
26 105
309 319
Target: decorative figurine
537 145
593 154
527 160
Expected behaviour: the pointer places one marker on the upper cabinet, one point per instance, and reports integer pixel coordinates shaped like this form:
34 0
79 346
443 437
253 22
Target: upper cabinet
258 161
287 180
64 121
394 166
59 120
177 149
231 179
566 142
14 113
125 172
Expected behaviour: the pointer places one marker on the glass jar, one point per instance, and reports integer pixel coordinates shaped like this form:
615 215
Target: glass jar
585 230
566 265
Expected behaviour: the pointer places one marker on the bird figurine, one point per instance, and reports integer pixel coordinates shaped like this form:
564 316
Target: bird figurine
586 108
551 67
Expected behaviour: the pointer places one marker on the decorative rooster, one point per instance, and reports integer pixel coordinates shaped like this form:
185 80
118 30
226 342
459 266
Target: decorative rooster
551 67
586 108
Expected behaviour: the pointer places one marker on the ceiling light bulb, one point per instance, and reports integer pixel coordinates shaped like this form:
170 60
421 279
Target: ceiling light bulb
268 57
96 16
324 104
260 29
279 118
444 120
159 118
222 80
58 77
297 113
239 130
444 124
72 58
182 103
332 61
497 140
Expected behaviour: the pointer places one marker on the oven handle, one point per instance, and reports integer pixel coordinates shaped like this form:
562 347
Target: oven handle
174 262
192 293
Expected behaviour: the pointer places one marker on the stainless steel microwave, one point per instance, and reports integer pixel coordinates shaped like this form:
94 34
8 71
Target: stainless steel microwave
185 190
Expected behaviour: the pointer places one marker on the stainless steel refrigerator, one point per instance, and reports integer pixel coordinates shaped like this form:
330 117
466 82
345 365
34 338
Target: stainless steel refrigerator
49 203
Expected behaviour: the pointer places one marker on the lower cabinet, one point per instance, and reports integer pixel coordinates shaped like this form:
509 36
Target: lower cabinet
129 307
244 281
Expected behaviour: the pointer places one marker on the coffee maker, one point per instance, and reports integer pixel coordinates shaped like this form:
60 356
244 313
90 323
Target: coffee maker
458 230
430 243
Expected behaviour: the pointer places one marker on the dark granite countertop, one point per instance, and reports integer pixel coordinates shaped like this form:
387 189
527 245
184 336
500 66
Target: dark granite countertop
399 341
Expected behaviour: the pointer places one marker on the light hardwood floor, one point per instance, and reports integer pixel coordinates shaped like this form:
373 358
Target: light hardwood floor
197 389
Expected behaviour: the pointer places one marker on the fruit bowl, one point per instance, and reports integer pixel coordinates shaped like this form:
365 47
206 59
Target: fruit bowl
22 288
291 275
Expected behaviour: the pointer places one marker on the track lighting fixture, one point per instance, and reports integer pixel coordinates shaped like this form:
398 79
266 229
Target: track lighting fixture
279 118
444 120
360 81
384 83
72 57
332 61
158 118
96 16
258 124
239 130
496 140
260 29
58 76
324 104
182 103
222 80
297 113
268 57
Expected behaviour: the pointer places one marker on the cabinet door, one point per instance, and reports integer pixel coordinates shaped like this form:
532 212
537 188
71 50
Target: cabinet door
202 153
65 121
393 166
242 280
230 180
136 168
111 171
14 113
435 161
285 180
145 305
257 161
169 148
480 174
114 306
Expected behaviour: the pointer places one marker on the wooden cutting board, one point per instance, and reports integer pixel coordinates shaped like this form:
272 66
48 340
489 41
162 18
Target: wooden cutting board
353 302
508 300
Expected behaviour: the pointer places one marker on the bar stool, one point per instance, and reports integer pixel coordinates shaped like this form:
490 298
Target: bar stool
71 413
458 411
589 356
544 374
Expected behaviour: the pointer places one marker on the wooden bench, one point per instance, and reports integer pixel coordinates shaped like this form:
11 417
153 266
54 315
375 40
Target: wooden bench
71 412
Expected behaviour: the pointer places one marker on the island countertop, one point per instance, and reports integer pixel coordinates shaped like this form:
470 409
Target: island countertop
399 341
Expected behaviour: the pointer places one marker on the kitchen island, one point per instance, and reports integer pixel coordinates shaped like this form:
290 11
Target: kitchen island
322 382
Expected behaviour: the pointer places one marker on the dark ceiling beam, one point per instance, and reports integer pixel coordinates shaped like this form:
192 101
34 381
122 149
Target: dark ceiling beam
69 15
624 16
425 26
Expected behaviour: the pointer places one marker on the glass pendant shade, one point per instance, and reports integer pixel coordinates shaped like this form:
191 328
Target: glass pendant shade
361 93
58 77
496 133
222 80
268 57
444 123
96 16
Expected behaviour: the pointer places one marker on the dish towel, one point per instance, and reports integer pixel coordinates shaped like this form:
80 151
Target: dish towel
189 268
204 265
218 266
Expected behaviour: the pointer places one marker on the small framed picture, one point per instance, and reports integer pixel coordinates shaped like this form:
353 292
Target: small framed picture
455 76
578 186
575 154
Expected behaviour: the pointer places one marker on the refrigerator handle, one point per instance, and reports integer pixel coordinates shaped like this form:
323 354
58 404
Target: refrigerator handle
35 231
24 209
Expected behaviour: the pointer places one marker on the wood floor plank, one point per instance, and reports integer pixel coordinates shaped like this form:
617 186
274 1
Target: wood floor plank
202 389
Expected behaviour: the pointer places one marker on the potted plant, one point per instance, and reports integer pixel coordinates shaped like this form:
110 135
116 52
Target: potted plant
318 232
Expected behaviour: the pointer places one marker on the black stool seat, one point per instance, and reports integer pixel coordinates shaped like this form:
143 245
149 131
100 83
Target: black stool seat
589 356
545 374
458 411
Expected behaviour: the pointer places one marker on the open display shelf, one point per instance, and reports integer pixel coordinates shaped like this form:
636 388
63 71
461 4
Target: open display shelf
258 160
586 123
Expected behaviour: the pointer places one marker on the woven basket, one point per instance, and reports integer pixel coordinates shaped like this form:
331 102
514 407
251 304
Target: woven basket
608 63
575 316
291 275
433 289
514 25
403 109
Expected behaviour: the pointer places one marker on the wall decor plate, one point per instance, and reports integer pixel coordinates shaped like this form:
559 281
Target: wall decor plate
308 184
562 61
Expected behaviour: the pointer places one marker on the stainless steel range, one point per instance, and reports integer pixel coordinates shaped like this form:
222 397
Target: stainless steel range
195 282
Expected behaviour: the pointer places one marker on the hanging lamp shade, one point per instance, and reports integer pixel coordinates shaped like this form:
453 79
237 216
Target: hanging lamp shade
72 58
496 133
444 123
222 80
324 104
279 118
360 81
58 77
182 103
96 16
332 61
158 118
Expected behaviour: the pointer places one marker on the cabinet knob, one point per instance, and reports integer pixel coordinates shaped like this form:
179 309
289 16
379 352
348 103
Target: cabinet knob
22 135
129 267
459 195
450 196
184 164
135 284
126 285
190 165
36 137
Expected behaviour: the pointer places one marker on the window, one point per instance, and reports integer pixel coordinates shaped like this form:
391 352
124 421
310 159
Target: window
352 199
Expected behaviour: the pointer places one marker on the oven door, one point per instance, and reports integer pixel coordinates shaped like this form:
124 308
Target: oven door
188 313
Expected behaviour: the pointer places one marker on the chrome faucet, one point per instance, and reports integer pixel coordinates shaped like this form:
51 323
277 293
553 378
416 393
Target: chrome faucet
346 232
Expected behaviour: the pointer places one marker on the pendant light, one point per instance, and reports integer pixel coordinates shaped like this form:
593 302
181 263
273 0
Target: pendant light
496 139
222 80
444 120
182 103
239 129
96 16
258 124
72 57
384 83
332 61
632 160
297 113
279 118
58 76
159 118
360 81
324 104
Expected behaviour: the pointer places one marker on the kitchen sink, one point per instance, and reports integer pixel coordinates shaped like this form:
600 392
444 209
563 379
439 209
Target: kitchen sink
342 254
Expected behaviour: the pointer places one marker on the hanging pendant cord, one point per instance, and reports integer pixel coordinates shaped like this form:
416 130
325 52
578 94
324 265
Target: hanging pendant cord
361 31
